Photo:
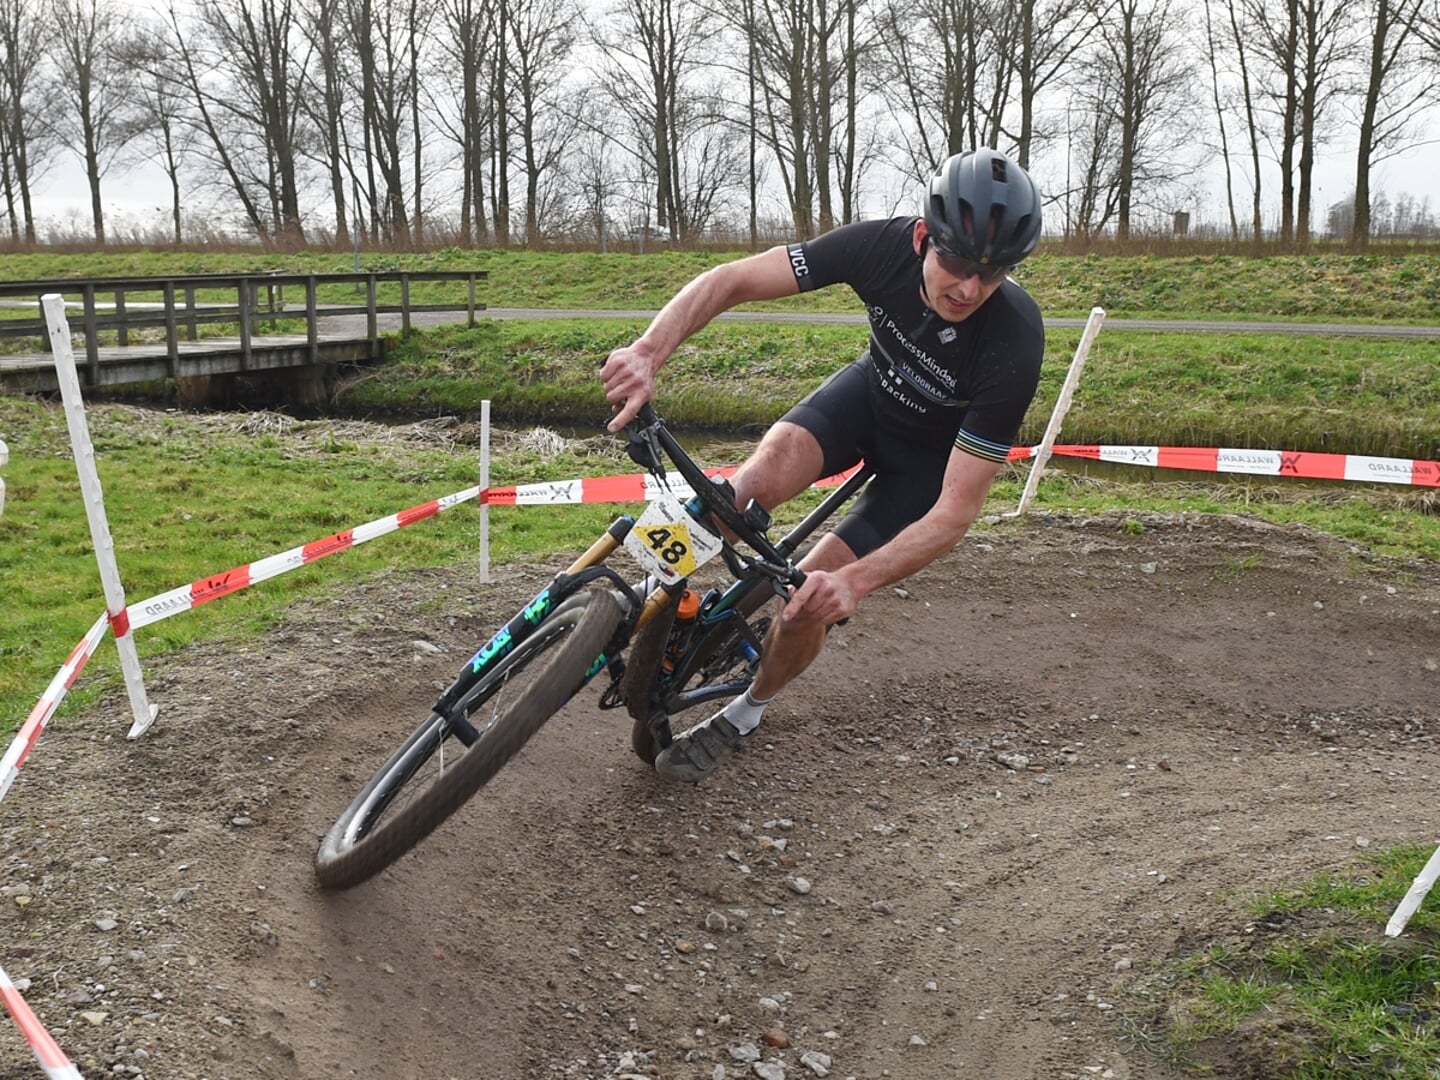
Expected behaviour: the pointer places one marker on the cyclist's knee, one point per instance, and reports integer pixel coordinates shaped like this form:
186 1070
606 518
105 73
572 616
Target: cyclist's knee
787 461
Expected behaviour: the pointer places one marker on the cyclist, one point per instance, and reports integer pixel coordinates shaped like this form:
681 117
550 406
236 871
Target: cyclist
933 404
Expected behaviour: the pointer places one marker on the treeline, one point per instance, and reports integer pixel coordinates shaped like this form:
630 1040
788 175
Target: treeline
530 121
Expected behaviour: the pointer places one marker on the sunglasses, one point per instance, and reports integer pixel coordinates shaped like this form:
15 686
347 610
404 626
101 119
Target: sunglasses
959 266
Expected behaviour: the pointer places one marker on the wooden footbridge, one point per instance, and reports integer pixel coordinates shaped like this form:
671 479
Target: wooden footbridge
145 329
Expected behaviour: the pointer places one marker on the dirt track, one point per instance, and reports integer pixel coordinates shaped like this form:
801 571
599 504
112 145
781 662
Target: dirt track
1015 788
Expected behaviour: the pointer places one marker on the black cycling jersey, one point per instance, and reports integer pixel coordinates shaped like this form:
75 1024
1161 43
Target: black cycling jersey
967 383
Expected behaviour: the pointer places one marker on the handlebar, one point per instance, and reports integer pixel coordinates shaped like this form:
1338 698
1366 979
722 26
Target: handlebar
648 435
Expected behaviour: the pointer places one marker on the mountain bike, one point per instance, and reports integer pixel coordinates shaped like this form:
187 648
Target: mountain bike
664 647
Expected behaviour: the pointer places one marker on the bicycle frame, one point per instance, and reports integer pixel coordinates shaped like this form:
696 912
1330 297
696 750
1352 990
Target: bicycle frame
722 607
771 564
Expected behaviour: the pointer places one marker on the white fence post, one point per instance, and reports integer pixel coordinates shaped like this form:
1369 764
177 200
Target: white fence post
484 487
4 460
84 451
1062 406
1424 882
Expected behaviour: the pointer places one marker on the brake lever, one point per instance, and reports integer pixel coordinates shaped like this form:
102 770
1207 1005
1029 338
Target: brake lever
643 447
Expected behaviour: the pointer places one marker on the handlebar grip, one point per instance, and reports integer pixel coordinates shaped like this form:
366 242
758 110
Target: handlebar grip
797 578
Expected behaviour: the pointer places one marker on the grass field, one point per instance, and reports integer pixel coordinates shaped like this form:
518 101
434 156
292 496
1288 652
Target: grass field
1318 288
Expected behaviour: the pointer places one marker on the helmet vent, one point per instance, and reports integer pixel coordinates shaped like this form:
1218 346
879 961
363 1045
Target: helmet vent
997 170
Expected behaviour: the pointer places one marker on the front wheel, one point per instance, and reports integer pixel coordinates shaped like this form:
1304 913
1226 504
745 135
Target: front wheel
448 758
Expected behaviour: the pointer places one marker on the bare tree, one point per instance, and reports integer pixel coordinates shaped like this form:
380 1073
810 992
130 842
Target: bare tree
540 40
160 125
324 99
1047 39
418 23
1097 188
649 49
242 65
468 50
804 69
24 39
1139 83
953 75
378 31
834 104
1398 90
1239 39
710 169
93 90
784 51
7 178
1302 43
683 140
596 178
1213 59
498 136
194 75
746 16
1324 43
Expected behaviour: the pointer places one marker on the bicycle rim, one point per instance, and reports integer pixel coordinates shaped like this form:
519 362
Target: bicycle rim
434 772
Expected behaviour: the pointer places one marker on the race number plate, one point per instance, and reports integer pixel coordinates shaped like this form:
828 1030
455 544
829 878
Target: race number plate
668 542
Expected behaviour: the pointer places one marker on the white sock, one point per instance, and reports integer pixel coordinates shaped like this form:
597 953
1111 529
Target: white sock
745 711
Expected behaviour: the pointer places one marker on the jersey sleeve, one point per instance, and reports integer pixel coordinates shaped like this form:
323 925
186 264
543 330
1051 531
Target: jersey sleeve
998 408
846 255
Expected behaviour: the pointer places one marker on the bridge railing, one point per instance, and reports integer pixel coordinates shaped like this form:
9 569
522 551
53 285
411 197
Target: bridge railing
182 304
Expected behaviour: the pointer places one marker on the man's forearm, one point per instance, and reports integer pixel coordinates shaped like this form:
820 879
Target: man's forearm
688 312
765 276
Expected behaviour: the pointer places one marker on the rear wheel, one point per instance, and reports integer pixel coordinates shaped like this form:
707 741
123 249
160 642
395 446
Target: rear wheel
448 758
638 684
722 658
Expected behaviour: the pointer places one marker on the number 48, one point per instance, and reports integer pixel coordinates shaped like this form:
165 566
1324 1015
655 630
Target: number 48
663 542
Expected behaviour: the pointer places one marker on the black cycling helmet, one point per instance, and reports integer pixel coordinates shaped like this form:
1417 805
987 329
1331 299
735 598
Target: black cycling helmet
982 206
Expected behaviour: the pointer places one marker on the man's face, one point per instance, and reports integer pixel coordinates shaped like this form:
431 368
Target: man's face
952 289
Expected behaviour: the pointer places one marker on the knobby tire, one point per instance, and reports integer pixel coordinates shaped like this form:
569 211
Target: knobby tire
647 651
373 833
638 684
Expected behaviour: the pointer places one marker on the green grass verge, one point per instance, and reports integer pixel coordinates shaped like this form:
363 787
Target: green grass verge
1343 395
1314 991
1324 288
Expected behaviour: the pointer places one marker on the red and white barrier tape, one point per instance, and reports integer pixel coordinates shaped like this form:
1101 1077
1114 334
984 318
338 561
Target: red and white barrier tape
40 715
52 1059
632 487
642 487
1302 464
166 604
